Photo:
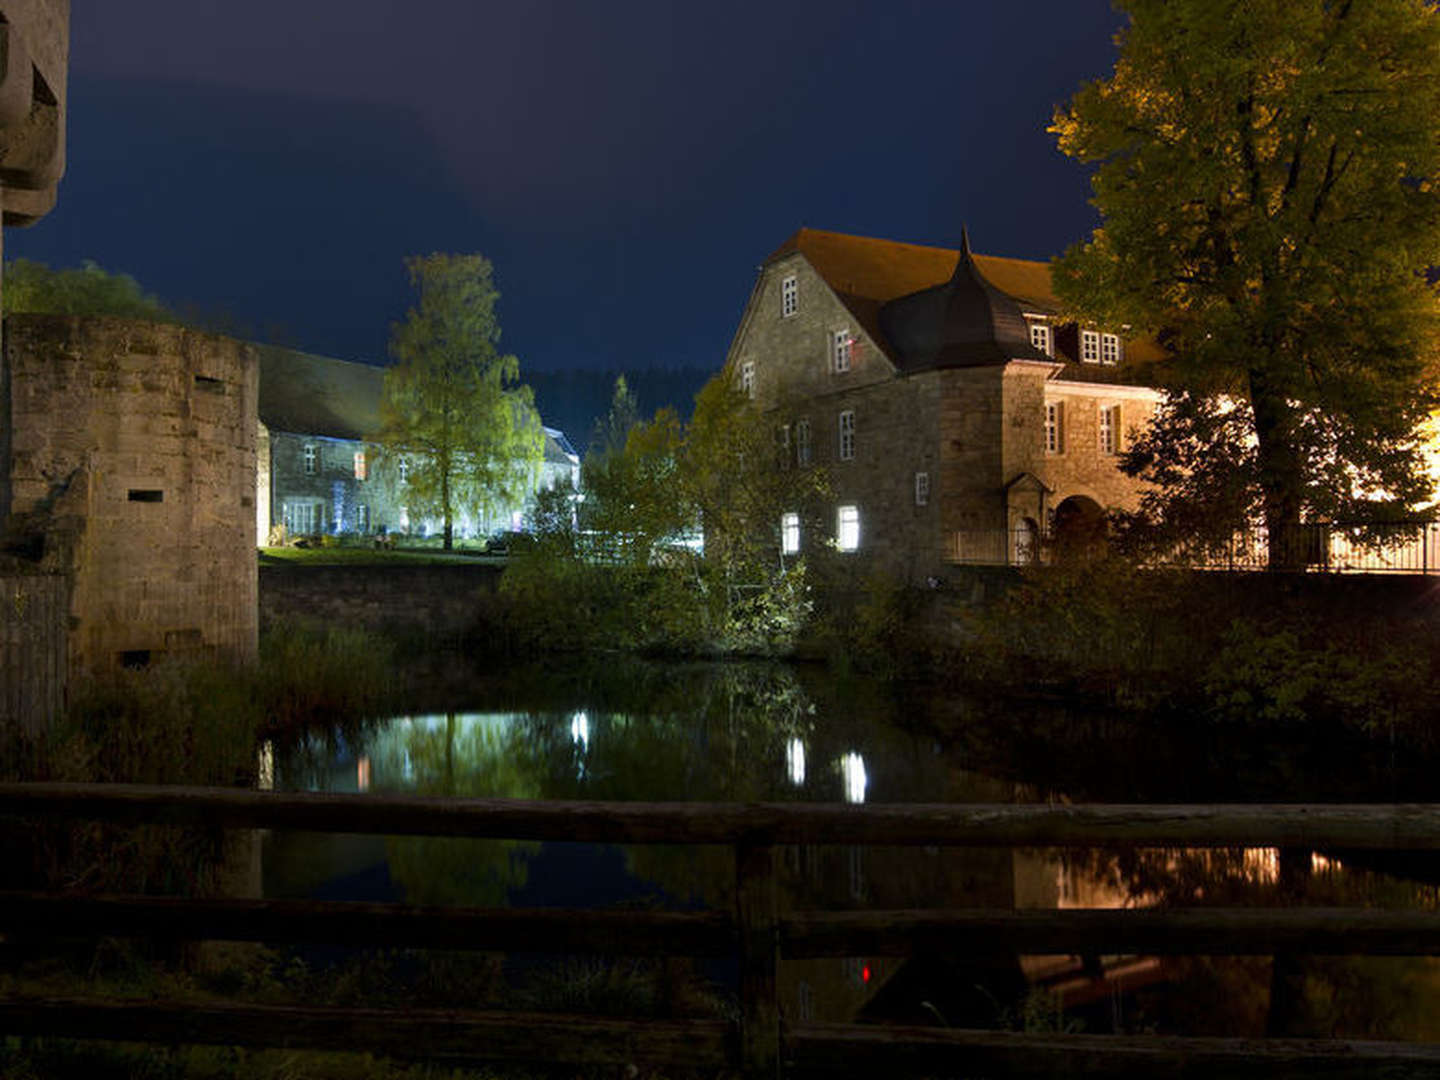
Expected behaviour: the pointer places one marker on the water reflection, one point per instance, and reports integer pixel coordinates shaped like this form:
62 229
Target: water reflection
742 734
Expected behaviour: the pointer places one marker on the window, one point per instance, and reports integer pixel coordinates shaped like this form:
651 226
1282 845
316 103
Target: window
1089 347
804 1001
359 464
847 528
362 518
310 456
922 488
404 471
1054 427
802 442
301 519
841 348
790 533
1109 348
1110 429
847 434
747 378
1040 337
782 445
789 297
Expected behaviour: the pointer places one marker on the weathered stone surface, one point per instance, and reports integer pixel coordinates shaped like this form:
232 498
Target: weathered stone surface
150 459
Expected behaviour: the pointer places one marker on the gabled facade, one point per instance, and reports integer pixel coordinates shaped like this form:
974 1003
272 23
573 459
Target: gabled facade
959 418
317 473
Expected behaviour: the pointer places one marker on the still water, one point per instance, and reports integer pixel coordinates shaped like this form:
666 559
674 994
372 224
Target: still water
740 733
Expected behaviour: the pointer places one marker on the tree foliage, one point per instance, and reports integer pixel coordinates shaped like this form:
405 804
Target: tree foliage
32 288
453 408
1267 173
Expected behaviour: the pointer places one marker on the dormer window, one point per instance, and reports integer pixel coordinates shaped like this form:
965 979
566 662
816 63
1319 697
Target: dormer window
789 297
1109 348
1040 337
747 378
841 348
1089 346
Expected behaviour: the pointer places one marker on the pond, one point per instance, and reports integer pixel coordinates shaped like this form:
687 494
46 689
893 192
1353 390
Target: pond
741 733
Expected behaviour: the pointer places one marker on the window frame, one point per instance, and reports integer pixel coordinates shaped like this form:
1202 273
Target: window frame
1090 346
311 458
1111 351
789 296
362 466
842 350
922 488
845 448
747 379
790 533
1055 427
802 441
847 539
1046 340
1108 430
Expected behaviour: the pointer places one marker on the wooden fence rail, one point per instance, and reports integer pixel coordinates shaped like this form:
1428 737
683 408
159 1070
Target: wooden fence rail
758 932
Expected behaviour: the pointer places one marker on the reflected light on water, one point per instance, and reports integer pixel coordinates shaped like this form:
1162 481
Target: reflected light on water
795 761
852 769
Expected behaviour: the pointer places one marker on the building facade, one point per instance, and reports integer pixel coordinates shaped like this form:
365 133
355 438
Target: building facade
318 473
959 418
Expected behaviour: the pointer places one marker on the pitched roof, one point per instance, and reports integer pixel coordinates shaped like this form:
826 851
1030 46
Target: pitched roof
304 394
866 273
319 395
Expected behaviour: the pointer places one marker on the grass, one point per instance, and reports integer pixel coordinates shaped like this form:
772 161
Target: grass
360 556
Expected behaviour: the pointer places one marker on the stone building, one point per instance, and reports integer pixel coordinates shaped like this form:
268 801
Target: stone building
129 464
317 473
961 419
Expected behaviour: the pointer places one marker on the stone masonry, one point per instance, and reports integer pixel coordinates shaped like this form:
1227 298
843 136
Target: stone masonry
132 472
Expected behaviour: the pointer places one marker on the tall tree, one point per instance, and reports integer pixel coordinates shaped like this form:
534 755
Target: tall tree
453 408
611 430
1267 174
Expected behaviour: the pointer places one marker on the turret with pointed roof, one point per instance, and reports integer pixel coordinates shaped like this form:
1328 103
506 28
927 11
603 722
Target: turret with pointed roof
962 322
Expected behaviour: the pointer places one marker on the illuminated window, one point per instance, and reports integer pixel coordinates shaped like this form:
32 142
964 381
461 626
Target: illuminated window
1110 429
789 297
922 488
359 464
362 518
790 533
1109 349
1040 337
847 434
841 347
310 456
747 378
847 528
404 470
795 762
1054 427
802 442
852 770
1089 346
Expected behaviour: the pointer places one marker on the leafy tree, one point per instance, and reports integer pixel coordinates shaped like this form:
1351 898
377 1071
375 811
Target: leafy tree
1267 174
611 431
34 288
452 407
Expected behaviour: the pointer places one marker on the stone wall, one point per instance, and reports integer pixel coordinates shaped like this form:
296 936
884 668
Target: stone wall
34 610
434 602
132 453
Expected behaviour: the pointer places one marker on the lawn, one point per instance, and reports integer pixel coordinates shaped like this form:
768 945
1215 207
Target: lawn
363 556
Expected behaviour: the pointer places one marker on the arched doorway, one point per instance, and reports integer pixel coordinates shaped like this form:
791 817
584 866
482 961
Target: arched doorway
1079 529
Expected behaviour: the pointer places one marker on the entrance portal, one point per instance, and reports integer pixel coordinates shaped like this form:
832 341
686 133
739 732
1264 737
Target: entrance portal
1080 530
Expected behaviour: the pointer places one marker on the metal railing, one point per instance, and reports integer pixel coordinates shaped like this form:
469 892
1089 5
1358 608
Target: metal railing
764 1043
1321 547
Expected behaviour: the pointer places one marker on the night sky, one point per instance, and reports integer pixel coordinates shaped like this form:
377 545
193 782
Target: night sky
625 165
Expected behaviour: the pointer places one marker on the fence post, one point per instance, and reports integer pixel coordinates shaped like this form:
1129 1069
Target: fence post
757 916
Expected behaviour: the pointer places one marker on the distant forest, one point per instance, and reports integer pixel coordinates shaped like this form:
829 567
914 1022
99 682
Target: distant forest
574 400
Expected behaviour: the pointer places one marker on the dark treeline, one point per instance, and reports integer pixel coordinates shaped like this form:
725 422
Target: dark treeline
574 400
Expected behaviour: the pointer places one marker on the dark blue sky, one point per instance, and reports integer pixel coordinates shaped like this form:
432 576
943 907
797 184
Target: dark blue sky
625 165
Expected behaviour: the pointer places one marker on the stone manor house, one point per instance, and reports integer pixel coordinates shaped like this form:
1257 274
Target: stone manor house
316 473
959 417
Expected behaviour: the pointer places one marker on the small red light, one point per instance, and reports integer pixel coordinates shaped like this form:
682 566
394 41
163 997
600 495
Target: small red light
865 973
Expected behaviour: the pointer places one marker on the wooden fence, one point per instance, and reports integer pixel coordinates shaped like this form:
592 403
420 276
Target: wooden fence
762 1043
